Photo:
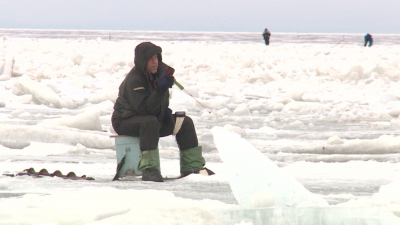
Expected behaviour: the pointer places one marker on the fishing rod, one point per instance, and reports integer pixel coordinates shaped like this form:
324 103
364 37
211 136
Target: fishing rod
183 89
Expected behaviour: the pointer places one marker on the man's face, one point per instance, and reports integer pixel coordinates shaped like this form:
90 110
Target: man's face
152 64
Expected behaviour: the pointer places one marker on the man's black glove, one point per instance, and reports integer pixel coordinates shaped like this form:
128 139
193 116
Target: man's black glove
165 82
168 116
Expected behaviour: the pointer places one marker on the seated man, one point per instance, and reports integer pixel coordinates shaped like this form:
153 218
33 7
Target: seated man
141 110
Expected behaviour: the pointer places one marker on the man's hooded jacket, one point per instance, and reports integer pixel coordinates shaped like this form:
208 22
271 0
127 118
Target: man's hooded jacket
138 93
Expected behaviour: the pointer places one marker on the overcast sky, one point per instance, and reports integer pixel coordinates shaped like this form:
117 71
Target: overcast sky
302 16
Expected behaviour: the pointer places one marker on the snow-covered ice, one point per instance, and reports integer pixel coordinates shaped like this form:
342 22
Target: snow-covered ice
257 183
253 177
318 114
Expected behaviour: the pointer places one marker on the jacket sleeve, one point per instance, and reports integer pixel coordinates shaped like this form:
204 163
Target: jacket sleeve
143 101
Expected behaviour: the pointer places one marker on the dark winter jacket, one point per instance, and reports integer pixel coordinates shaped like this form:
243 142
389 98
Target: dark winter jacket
138 93
368 37
266 34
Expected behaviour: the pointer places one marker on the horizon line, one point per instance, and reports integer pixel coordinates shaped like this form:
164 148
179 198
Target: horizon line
280 32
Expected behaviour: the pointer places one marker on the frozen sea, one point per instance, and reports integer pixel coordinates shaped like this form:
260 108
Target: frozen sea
319 109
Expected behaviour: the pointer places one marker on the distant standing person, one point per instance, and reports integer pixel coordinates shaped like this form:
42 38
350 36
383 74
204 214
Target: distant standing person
266 34
368 40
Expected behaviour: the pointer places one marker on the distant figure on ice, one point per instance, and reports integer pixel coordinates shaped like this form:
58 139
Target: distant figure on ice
368 39
266 34
141 110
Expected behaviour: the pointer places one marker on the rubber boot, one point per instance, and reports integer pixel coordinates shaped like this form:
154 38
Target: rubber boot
149 164
152 175
191 161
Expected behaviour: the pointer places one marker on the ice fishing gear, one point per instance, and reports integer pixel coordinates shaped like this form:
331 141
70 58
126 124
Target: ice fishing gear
179 117
43 172
183 89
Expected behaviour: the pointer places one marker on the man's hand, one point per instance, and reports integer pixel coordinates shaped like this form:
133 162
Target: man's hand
165 82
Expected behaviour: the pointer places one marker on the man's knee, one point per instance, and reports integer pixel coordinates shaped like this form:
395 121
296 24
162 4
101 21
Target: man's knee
188 121
151 122
187 125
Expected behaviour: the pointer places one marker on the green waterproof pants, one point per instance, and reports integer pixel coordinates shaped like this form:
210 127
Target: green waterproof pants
191 160
149 159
